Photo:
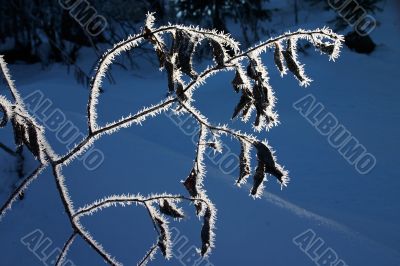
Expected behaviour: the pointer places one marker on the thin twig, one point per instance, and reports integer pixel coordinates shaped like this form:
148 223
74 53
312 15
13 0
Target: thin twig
65 249
8 204
147 256
110 202
63 192
216 128
7 149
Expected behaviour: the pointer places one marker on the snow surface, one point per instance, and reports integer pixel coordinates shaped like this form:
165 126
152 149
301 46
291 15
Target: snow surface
356 215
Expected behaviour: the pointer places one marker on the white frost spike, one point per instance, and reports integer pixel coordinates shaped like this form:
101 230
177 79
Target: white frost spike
216 140
7 110
150 19
338 48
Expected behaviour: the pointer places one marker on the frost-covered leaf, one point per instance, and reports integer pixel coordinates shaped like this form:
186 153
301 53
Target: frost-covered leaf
170 209
260 101
244 166
258 179
326 48
180 93
219 53
19 132
26 133
293 65
252 71
32 141
4 117
212 145
184 46
170 67
163 238
191 186
238 81
161 55
265 155
262 94
6 111
244 103
278 59
191 183
206 233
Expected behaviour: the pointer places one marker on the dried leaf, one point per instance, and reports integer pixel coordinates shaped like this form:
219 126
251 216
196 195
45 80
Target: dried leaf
258 118
161 55
170 210
180 93
148 35
212 145
260 97
244 103
199 207
158 45
186 49
237 82
265 155
206 232
278 58
291 63
326 48
252 72
19 132
219 53
246 110
229 50
162 240
32 142
244 165
4 118
258 178
191 186
169 66
26 134
260 102
191 183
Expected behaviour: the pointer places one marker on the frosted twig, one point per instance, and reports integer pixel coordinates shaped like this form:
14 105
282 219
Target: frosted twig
257 94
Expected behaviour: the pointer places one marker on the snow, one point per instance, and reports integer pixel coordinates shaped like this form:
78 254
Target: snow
355 215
